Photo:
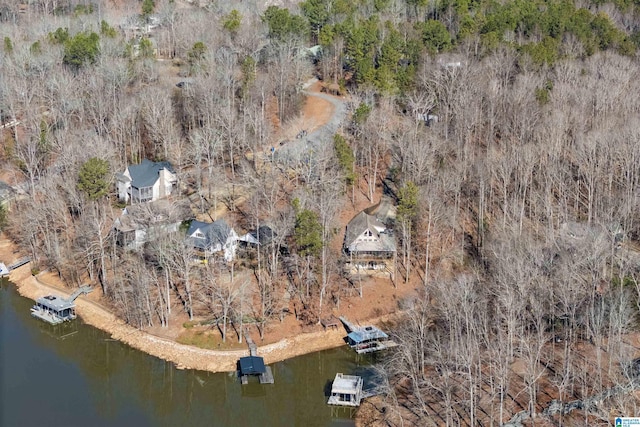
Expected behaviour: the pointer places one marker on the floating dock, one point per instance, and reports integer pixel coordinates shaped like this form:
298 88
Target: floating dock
55 310
346 390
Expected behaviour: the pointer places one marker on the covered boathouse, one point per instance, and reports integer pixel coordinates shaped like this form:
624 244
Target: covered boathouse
346 390
367 339
254 366
53 309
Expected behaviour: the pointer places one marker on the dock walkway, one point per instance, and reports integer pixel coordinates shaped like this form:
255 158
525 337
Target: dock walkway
84 289
253 348
254 365
19 263
5 270
350 327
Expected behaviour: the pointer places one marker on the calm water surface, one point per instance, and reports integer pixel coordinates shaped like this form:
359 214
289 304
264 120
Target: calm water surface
74 375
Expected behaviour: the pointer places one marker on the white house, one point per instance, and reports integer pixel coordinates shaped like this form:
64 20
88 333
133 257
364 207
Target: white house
146 182
209 238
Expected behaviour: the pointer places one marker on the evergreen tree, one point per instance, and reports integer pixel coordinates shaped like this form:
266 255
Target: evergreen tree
232 22
107 30
307 231
435 36
408 202
59 36
283 25
317 12
8 45
147 7
346 159
92 178
81 49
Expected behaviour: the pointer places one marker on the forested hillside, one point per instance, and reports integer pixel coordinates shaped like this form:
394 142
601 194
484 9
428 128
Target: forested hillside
507 132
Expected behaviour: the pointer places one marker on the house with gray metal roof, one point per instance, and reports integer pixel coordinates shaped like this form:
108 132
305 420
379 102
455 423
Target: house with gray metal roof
209 238
146 182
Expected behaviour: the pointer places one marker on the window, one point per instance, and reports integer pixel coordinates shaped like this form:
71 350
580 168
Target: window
141 195
368 233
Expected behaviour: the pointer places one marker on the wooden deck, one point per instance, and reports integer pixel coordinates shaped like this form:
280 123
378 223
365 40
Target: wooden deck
330 322
49 317
267 377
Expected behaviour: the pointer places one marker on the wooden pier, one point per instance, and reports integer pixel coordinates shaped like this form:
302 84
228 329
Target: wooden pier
19 263
5 270
253 348
264 378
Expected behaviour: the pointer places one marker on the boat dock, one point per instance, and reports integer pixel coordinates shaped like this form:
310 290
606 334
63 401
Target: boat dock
253 365
350 390
366 339
346 390
55 310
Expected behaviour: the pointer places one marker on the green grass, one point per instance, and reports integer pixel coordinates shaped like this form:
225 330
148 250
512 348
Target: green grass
210 340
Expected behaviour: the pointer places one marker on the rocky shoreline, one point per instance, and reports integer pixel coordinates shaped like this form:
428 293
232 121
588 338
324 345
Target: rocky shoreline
183 356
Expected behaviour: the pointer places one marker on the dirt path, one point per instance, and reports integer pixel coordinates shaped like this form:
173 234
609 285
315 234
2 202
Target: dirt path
328 116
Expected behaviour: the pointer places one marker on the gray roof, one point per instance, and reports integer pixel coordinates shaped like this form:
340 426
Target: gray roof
143 215
215 233
384 240
55 303
252 365
359 224
346 384
367 333
263 235
146 173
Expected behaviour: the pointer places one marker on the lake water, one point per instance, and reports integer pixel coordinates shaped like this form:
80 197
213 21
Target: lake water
74 375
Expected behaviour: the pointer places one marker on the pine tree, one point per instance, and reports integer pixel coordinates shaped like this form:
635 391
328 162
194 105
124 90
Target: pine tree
92 178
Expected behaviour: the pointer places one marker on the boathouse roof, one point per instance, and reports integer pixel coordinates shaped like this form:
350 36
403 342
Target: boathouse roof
346 384
367 333
55 303
252 365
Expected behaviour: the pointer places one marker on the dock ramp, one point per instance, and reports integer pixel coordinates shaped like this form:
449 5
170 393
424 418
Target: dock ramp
82 290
